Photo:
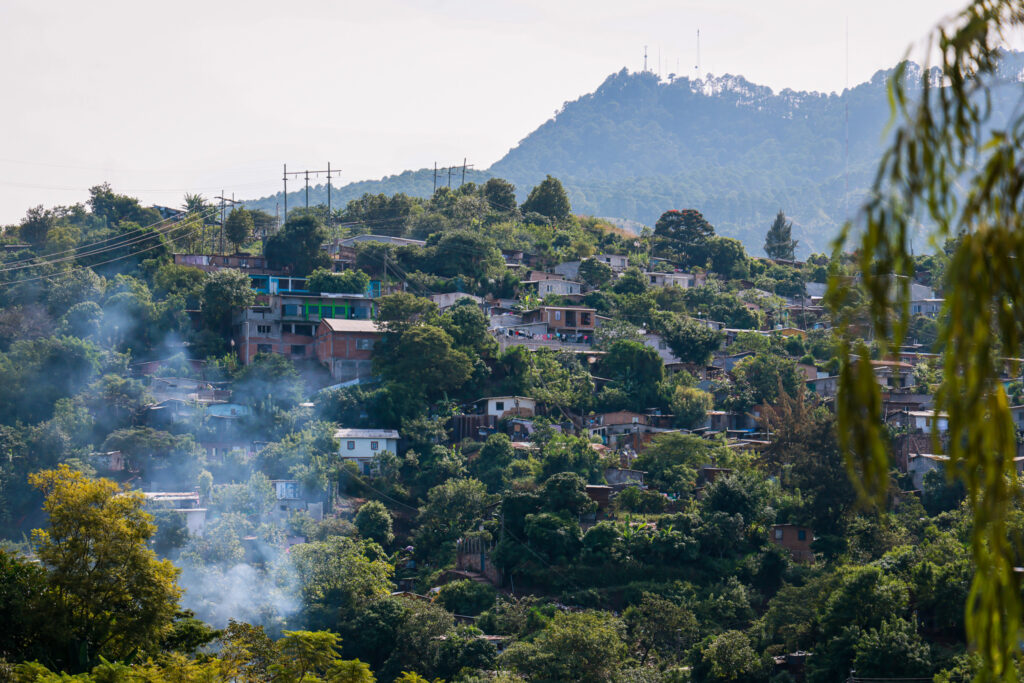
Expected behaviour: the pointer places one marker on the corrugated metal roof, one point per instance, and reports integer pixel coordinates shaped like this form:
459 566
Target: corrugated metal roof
342 325
344 433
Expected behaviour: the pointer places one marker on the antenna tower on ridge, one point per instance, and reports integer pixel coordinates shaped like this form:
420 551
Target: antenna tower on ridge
645 59
697 66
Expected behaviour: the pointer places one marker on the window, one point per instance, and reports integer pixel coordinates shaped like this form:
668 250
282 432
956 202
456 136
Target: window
801 534
313 310
304 330
778 534
351 445
263 329
298 350
558 315
264 348
499 405
364 344
373 445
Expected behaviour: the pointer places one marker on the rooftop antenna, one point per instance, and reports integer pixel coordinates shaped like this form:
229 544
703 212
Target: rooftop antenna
697 67
645 59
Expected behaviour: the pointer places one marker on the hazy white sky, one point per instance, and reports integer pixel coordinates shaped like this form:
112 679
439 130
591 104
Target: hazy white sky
164 98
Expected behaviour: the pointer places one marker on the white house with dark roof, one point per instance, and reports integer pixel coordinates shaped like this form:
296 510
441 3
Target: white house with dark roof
361 445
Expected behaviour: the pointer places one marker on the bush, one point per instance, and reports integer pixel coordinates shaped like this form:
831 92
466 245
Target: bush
467 597
634 499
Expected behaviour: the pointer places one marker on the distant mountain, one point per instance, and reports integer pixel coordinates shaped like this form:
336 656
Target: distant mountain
734 150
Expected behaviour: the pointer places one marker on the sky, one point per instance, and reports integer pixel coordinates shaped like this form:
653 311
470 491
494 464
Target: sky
160 99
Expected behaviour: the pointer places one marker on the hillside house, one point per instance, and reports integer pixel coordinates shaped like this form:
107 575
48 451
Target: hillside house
556 286
345 347
287 323
211 263
292 497
573 321
930 308
683 280
500 407
185 503
361 445
796 539
449 299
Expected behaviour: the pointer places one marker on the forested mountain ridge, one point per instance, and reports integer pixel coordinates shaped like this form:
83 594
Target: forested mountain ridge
732 149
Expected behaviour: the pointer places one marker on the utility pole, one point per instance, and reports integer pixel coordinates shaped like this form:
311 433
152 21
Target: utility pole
464 167
305 174
435 176
224 201
449 177
285 197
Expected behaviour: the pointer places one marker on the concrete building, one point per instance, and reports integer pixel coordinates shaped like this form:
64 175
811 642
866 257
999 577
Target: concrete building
508 406
345 347
287 323
568 320
683 280
361 445
556 286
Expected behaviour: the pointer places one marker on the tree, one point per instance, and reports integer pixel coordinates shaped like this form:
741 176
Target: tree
110 594
779 242
548 199
36 225
690 406
467 597
339 576
452 508
423 359
946 145
263 223
662 626
298 246
223 293
685 233
595 273
500 195
575 646
239 227
374 521
672 459
691 341
727 257
348 282
728 656
636 369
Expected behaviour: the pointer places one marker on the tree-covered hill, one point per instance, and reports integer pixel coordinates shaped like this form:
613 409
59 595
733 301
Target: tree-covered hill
736 151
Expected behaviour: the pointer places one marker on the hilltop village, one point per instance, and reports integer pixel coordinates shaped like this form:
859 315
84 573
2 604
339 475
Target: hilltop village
457 438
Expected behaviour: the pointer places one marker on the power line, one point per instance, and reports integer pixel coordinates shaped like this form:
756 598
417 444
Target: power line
101 263
92 244
148 234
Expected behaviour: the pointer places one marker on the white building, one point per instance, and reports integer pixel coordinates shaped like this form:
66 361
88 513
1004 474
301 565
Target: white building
546 288
683 280
500 406
930 308
449 299
616 262
361 445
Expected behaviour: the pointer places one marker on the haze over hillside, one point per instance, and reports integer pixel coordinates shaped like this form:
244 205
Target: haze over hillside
734 150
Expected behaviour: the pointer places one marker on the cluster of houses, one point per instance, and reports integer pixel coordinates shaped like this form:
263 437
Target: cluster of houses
339 332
